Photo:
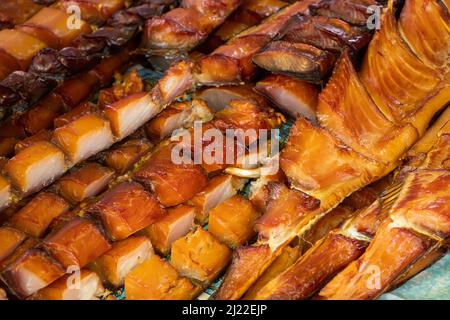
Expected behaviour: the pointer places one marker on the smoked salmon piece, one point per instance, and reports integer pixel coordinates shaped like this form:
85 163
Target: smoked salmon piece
36 167
130 113
85 182
122 158
84 137
171 183
52 26
176 224
68 244
19 46
5 193
94 11
292 96
328 181
126 209
77 112
30 272
11 239
199 256
218 189
232 221
114 265
156 279
85 285
35 218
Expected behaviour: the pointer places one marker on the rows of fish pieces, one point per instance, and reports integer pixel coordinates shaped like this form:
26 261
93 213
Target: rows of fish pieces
119 231
49 27
81 182
20 90
58 107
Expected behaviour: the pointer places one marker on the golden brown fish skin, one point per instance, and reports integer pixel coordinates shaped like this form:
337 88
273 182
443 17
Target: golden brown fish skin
313 269
284 209
239 276
346 109
35 217
428 37
346 169
68 244
424 203
125 209
380 265
172 183
388 76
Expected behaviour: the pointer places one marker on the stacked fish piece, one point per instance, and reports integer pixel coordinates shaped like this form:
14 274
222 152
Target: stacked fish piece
364 127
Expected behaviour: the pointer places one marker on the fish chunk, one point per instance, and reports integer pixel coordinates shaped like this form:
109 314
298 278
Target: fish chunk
5 193
130 113
313 269
20 48
125 255
36 167
11 239
218 189
382 262
126 209
232 221
94 11
176 224
281 263
219 98
292 96
30 272
323 167
301 60
122 158
178 115
85 182
35 218
68 243
84 137
199 256
156 279
51 26
172 183
85 285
